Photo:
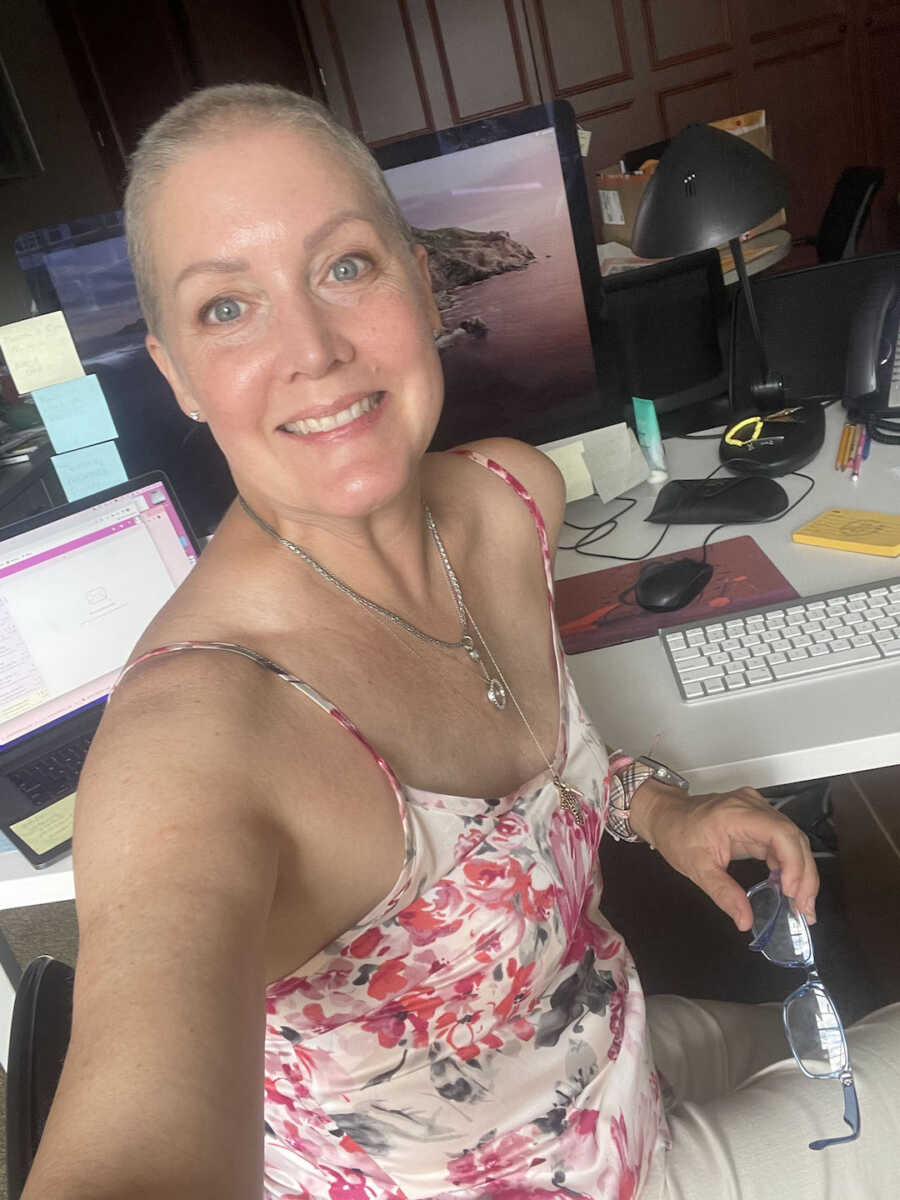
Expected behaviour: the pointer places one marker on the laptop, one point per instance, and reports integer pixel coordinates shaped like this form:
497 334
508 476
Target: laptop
78 586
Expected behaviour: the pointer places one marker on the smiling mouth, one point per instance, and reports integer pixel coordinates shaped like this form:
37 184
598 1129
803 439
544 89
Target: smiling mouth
335 420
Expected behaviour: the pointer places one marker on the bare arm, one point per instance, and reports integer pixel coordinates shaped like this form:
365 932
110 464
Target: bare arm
161 1095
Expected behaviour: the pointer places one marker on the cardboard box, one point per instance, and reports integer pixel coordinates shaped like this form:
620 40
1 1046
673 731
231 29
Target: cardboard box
620 194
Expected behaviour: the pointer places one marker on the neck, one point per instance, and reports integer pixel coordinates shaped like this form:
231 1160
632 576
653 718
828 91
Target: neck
388 556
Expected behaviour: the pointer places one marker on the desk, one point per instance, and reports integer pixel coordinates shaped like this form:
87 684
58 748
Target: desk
802 730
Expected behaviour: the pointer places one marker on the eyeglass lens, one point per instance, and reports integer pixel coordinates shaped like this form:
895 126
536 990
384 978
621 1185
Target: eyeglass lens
817 1037
789 943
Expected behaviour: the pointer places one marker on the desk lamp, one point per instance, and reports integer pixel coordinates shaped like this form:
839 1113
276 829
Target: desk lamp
711 187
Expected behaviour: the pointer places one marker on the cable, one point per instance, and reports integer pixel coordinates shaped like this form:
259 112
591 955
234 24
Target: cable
763 520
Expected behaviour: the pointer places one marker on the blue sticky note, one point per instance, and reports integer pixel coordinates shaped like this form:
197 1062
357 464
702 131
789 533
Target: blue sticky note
75 413
88 470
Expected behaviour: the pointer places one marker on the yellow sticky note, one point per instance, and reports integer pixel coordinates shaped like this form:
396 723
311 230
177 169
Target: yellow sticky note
39 352
570 460
48 828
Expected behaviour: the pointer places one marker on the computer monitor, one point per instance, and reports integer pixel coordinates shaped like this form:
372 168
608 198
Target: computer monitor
821 329
82 267
666 319
503 208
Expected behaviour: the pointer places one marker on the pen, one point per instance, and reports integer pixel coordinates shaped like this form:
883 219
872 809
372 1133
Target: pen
868 444
858 457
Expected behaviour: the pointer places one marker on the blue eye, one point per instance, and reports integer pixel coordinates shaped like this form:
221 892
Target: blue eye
345 270
221 312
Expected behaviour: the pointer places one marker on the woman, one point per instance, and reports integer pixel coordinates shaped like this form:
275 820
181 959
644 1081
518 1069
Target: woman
286 867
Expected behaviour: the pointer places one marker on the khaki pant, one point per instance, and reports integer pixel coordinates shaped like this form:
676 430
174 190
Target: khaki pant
743 1113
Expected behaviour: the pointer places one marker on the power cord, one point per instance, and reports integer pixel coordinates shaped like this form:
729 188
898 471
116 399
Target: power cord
596 533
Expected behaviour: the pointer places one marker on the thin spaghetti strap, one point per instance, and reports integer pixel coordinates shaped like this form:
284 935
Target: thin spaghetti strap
525 496
268 665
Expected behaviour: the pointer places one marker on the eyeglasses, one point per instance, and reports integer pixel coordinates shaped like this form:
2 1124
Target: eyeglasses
814 1030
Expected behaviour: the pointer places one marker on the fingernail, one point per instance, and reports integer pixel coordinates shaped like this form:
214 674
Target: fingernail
810 913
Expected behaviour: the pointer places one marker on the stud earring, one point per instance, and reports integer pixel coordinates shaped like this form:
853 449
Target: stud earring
194 414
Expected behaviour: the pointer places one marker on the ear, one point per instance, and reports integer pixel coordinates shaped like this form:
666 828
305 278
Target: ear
420 254
167 368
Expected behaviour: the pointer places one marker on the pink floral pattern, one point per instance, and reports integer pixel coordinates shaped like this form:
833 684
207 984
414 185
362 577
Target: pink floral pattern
482 1032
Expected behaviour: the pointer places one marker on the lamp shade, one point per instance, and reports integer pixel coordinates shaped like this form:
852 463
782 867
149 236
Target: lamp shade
710 186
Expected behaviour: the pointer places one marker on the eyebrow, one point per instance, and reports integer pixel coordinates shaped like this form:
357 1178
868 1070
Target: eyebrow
233 266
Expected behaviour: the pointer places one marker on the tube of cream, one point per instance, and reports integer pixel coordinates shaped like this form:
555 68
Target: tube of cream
649 438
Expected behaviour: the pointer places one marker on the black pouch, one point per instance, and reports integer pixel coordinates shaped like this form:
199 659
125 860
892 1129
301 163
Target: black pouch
713 501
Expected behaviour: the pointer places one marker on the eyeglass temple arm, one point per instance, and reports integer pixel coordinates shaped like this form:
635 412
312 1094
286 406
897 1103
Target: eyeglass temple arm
851 1118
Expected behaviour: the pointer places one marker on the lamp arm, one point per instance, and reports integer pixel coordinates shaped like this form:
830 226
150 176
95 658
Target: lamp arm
770 390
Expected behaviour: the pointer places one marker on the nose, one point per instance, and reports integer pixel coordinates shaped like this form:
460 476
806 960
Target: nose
309 340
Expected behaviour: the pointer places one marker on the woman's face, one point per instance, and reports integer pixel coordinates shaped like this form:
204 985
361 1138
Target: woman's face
296 322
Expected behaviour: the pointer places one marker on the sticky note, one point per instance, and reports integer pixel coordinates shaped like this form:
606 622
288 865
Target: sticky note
75 413
39 352
615 461
88 470
570 460
49 828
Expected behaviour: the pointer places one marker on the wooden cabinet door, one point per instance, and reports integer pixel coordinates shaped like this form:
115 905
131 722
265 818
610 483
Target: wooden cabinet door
878 35
802 70
397 68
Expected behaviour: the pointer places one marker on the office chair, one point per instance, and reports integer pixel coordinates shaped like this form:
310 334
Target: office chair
39 1038
846 214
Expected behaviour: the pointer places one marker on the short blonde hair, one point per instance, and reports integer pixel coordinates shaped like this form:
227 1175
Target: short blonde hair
215 113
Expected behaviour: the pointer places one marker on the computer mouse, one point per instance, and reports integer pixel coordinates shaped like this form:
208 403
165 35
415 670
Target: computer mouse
664 586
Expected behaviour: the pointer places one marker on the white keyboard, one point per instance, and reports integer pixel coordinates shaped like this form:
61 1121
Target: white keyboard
797 639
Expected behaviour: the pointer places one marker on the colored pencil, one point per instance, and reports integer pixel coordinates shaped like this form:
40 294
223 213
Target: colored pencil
841 459
851 446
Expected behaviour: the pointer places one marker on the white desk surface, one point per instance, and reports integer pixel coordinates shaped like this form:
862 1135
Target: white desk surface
798 731
782 734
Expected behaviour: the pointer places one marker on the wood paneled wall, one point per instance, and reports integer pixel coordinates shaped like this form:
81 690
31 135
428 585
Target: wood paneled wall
635 72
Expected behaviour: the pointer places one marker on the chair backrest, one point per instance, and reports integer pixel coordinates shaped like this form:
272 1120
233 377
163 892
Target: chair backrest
847 211
39 1038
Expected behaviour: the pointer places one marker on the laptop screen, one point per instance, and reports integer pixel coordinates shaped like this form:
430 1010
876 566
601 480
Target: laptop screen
76 593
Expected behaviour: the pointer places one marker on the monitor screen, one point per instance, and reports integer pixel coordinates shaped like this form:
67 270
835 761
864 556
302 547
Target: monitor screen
502 207
77 589
82 267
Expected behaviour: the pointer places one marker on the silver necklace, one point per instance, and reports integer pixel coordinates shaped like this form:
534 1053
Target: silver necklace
569 797
496 691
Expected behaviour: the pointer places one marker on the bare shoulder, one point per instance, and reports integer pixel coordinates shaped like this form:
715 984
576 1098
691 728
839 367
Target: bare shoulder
169 773
538 474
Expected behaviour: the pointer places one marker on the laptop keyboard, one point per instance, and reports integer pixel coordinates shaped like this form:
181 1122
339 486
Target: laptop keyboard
55 774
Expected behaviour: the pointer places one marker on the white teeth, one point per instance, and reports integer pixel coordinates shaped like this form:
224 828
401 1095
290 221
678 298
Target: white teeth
323 424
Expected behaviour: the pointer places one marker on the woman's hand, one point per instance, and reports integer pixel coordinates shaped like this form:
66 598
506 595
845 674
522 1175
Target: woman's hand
701 835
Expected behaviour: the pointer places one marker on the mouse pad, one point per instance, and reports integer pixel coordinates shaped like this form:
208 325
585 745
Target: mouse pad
592 613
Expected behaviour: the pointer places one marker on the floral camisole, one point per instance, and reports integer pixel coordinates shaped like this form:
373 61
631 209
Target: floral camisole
481 1032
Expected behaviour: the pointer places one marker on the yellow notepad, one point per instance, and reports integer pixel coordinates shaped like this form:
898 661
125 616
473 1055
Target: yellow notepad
853 529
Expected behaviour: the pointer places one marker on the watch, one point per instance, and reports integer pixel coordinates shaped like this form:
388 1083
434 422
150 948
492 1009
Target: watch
625 782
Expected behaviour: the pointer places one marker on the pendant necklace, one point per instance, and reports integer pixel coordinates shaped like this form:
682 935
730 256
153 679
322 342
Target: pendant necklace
495 690
498 690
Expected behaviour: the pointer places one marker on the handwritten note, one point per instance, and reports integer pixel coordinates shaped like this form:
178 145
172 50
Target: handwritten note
75 413
570 460
91 469
49 828
615 461
39 352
